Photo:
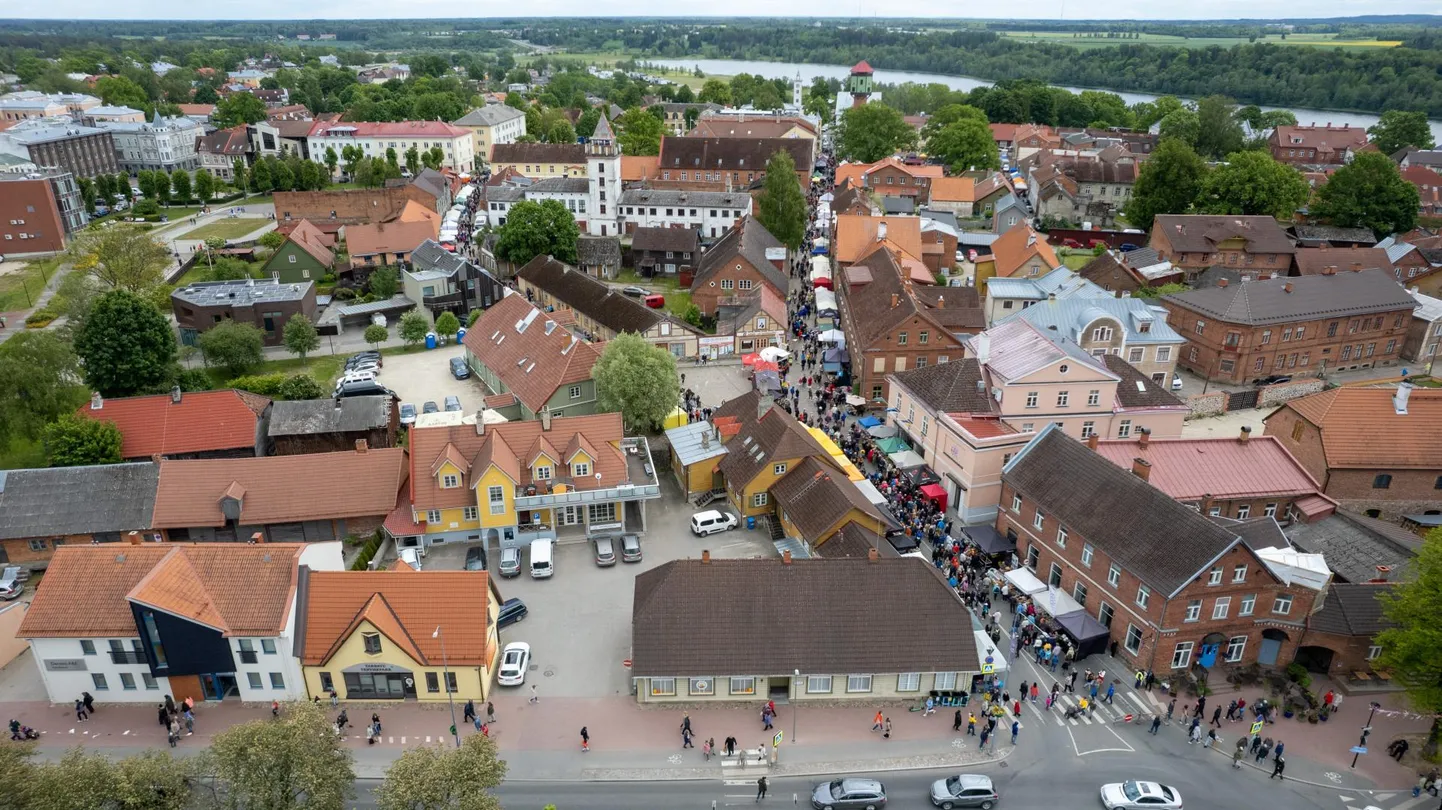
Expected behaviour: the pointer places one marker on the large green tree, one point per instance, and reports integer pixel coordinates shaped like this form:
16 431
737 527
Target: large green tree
639 380
1398 129
781 207
413 327
538 229
1168 183
639 132
79 780
715 91
121 257
1369 193
236 109
204 185
39 381
873 131
180 185
1218 131
126 346
439 777
948 115
1410 645
294 763
965 144
300 336
1252 182
119 91
234 347
447 325
1181 124
74 441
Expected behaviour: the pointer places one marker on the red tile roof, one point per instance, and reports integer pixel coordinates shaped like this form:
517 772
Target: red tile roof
390 129
280 489
861 68
397 236
404 607
552 356
1190 469
309 238
203 421
1361 428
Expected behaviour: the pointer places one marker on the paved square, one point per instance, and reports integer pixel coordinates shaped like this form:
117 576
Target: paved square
426 377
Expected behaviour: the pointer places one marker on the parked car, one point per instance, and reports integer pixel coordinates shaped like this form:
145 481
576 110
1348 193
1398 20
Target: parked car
355 377
630 548
475 559
1176 382
605 552
712 521
430 407
364 357
1275 379
655 301
410 555
863 794
12 582
1070 243
459 369
1128 247
362 366
512 611
964 790
408 413
1134 795
453 403
635 292
514 661
363 389
510 565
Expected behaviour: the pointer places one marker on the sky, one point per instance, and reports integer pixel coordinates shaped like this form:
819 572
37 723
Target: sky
468 9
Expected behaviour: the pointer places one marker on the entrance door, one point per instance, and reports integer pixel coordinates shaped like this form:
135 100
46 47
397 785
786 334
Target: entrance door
778 689
1207 655
219 687
1271 647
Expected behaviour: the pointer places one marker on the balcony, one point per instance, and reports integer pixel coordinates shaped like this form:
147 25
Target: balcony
449 299
643 485
248 657
126 657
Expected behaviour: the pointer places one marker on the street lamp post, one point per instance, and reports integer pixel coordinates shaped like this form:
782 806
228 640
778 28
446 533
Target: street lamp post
796 692
1367 729
450 695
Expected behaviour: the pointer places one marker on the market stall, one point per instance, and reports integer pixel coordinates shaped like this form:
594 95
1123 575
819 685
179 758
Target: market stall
1055 602
935 493
906 459
1089 635
868 421
892 444
988 539
1025 581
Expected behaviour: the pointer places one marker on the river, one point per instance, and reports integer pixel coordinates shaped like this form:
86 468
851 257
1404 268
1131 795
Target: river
788 70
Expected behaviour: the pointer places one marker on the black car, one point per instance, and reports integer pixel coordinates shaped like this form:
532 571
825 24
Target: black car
459 369
1275 379
365 388
364 357
475 559
512 611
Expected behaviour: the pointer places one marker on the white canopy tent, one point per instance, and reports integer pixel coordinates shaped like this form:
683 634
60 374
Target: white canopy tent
832 336
907 459
825 300
1025 581
1055 602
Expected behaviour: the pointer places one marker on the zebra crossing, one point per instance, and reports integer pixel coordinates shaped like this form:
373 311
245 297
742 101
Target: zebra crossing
1097 713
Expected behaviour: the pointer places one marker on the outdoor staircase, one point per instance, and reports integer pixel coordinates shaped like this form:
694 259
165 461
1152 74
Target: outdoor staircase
777 532
707 498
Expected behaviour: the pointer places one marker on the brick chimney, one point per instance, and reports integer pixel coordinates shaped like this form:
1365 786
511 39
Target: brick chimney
1383 571
705 556
1093 440
1142 468
941 302
175 395
1329 270
133 538
257 538
895 300
871 555
1287 288
1221 282
361 446
1245 435
1144 437
785 558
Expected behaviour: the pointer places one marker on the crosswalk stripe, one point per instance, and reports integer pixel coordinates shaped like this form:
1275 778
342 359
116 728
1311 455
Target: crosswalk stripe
1412 802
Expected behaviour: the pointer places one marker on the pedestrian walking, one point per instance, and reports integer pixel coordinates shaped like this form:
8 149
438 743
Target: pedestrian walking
730 746
490 712
164 716
334 698
469 712
886 734
1156 723
1015 729
1211 738
1217 717
876 722
930 707
189 723
172 732
585 740
1034 691
1195 735
686 738
760 788
986 732
1278 752
1256 743
80 710
956 721
1111 691
275 709
1238 752
707 747
1277 768
88 701
535 698
1171 707
970 724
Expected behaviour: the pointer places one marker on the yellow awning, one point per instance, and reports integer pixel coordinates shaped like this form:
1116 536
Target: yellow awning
836 453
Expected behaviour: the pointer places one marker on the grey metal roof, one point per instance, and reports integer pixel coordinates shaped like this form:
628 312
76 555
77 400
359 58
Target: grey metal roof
396 302
1354 545
1282 300
77 500
686 442
976 239
698 199
559 185
308 417
1351 609
429 255
1071 316
489 116
241 293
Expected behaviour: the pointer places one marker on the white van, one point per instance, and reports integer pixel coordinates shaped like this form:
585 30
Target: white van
712 521
542 566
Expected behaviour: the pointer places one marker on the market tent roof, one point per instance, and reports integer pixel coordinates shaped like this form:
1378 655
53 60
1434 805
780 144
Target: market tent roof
676 418
935 493
873 495
988 539
868 421
907 459
893 444
835 354
837 455
825 300
1055 602
1089 634
882 431
832 336
820 264
1024 581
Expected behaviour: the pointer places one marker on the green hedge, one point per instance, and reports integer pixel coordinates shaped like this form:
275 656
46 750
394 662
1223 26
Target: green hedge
368 552
280 386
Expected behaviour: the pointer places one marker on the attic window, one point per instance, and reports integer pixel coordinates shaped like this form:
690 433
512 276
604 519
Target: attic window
1141 387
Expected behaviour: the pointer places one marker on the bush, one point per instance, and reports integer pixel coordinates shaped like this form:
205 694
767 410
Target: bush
40 318
343 293
1298 674
193 379
300 386
145 208
367 552
280 386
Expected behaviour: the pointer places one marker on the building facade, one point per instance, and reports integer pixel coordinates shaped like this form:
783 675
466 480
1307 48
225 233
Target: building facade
82 151
39 210
375 139
163 144
266 305
1195 242
493 124
712 213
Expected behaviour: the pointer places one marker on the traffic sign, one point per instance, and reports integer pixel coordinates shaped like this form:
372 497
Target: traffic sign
776 741
1359 749
1257 728
988 669
626 663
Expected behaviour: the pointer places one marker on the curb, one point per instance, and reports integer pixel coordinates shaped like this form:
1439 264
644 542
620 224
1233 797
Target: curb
1330 786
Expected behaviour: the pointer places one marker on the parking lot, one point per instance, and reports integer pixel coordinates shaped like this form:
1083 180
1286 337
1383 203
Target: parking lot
579 622
426 377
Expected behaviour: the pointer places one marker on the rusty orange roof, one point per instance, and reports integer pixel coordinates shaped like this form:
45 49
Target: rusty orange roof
857 233
201 421
1192 469
640 168
406 608
1017 246
238 589
953 189
535 360
1362 429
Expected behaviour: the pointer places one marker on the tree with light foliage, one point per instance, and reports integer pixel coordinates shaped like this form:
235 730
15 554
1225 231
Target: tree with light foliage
1410 646
75 441
295 762
300 336
441 777
122 257
413 328
153 780
639 380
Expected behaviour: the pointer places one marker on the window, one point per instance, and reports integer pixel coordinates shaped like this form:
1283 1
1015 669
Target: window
1332 329
1134 639
945 680
450 481
1089 429
1192 354
543 472
127 681
1038 520
901 338
1016 502
277 681
1383 481
1221 606
87 647
1094 397
254 679
1182 656
1124 429
908 682
433 516
149 680
267 646
1144 595
1061 398
496 496
923 337
575 392
37 545
1194 610
471 514
778 469
1266 337
1114 575
1134 355
1053 576
1032 556
433 682
727 284
818 684
743 686
1244 511
1391 345
701 686
1061 536
1102 334
1235 646
1028 427
372 643
1214 577
1227 366
760 499
1086 555
1249 602
1104 615
663 686
1282 605
1164 354
1239 574
1201 327
1374 652
1031 399
580 469
858 683
1286 334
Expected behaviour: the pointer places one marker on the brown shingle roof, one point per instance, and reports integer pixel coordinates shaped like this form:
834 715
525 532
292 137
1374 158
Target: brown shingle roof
589 296
677 240
1351 609
1313 261
953 189
397 236
202 421
733 154
1201 233
1018 246
1361 428
280 489
857 234
948 387
538 153
776 437
83 594
839 619
815 496
750 240
1300 298
405 607
309 238
553 356
1137 390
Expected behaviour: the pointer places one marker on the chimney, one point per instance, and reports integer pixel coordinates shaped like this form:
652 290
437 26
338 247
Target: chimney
881 231
97 402
871 555
941 302
1382 573
1142 468
895 300
763 404
1329 270
1221 282
1287 288
257 538
175 395
706 440
546 421
133 538
1399 399
1245 435
705 556
481 422
361 446
1093 440
1206 503
785 558
1144 437
1356 267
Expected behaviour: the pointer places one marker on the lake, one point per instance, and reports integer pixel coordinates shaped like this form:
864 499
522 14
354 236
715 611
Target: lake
788 70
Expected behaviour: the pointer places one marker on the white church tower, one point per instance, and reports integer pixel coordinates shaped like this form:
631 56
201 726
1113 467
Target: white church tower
603 172
796 92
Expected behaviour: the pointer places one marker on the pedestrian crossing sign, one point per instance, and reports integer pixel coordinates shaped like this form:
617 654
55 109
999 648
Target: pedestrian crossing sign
1257 728
988 669
776 741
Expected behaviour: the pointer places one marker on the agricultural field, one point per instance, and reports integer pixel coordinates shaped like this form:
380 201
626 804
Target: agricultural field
1309 40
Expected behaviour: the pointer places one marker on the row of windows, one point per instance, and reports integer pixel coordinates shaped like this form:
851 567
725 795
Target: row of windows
127 681
815 684
680 212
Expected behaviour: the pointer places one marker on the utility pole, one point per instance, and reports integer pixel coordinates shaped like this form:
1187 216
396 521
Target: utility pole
1366 730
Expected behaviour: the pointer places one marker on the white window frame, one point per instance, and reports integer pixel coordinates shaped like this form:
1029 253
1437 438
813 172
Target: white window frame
543 472
1214 577
1221 607
1114 575
701 686
908 682
818 684
945 680
778 470
1374 652
1244 511
1236 648
743 686
496 497
1144 596
450 481
1086 555
1194 611
1133 630
1282 604
1061 536
1038 520
471 514
663 686
853 684
580 469
1016 503
1248 605
1239 574
433 516
760 499
1182 655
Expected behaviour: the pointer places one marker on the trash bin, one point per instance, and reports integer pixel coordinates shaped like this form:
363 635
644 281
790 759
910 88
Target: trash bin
750 522
430 340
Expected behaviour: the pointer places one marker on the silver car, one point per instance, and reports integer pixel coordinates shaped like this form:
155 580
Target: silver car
861 794
510 562
964 790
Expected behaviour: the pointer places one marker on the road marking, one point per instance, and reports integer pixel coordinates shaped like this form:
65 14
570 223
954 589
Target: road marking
1382 797
403 741
392 740
125 733
428 740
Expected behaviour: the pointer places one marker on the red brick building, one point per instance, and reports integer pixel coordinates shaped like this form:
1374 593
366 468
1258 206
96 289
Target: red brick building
38 210
1176 590
1297 326
1314 145
745 259
1195 242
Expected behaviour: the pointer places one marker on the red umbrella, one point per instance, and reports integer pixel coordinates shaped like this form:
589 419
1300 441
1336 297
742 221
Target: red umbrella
750 359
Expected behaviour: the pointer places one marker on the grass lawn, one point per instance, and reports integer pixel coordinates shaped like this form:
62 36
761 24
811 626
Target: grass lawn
1075 259
226 228
663 284
325 368
18 289
677 302
22 454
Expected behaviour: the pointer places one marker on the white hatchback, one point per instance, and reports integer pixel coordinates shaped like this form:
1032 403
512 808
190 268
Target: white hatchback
514 661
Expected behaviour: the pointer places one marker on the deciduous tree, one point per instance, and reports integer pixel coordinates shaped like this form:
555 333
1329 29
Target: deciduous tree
1218 131
1251 182
375 335
413 328
965 144
873 131
236 109
447 324
1397 129
537 229
234 347
180 185
300 336
1410 645
439 777
74 441
1181 124
715 91
40 379
1168 183
126 346
1370 193
121 257
637 379
640 132
204 185
294 763
382 283
781 207
331 160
